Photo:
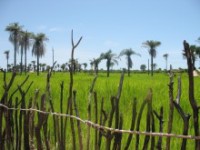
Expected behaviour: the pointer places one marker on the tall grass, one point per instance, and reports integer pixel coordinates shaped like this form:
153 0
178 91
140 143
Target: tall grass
135 86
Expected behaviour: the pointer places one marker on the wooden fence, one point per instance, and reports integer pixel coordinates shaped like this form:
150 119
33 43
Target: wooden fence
27 125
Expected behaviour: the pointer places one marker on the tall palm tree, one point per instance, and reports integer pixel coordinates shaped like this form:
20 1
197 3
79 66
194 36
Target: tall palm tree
195 53
166 59
198 52
75 65
39 47
21 44
26 42
128 53
33 62
63 67
14 29
143 67
198 40
110 59
95 63
85 66
151 45
7 57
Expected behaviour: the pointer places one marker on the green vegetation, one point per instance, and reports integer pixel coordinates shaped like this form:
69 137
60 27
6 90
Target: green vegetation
135 86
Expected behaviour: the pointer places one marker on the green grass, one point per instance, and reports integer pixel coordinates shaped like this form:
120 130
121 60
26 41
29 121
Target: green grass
136 86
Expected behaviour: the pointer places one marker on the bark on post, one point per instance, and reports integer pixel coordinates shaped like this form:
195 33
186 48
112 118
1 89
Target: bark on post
78 123
69 105
138 124
134 114
160 118
171 107
108 134
103 119
188 53
148 118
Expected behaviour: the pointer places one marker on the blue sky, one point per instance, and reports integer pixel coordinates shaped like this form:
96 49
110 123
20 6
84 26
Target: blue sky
104 25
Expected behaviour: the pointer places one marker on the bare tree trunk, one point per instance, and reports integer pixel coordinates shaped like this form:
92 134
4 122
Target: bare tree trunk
171 108
189 56
134 114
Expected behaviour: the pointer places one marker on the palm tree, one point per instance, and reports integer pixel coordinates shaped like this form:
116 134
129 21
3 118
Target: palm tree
154 66
195 53
85 66
14 29
39 47
63 67
198 52
74 65
151 45
26 42
198 40
128 53
7 57
21 44
143 67
33 62
110 58
166 58
95 63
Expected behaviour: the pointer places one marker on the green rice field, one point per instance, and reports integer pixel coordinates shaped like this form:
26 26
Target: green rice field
135 86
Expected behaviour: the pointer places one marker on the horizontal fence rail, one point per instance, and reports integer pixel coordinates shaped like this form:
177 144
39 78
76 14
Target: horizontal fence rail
100 127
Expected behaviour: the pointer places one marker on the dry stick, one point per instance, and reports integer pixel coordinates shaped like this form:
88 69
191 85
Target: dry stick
99 127
89 111
31 121
117 108
3 101
58 134
8 128
189 55
16 126
21 118
69 105
118 136
109 136
61 119
96 120
148 118
171 107
138 123
160 118
15 91
186 118
24 114
72 127
134 115
183 115
50 100
103 118
28 123
8 115
78 123
152 130
45 134
23 121
178 97
42 118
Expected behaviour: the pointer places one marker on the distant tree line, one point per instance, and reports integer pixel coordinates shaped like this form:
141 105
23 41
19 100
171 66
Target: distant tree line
23 40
